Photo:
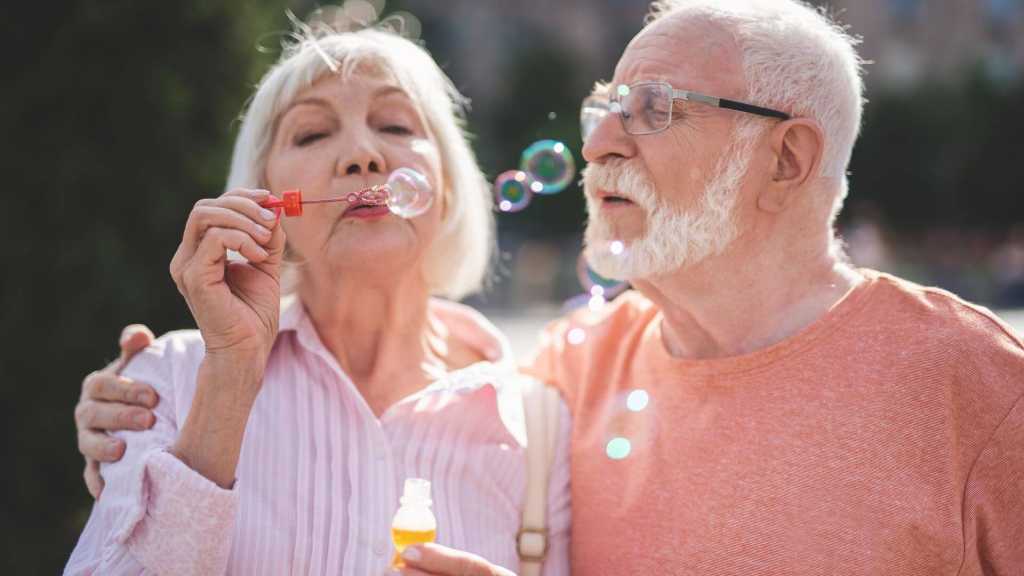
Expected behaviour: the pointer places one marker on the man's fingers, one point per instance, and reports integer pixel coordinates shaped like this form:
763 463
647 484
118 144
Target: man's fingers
93 480
134 338
106 387
100 447
112 416
437 559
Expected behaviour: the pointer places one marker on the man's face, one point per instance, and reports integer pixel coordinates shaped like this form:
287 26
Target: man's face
668 197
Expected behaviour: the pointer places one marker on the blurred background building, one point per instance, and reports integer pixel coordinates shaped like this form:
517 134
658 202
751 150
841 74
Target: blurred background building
119 115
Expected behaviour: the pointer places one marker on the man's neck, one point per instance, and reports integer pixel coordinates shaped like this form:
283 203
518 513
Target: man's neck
738 303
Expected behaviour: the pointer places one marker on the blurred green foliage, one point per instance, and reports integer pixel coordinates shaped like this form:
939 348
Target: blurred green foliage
119 115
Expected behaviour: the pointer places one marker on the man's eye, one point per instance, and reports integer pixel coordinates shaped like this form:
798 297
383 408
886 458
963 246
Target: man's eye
306 139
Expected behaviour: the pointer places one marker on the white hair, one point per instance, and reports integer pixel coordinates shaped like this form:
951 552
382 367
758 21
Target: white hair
796 59
458 260
673 239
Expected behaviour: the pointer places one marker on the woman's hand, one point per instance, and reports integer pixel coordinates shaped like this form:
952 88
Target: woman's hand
235 304
437 560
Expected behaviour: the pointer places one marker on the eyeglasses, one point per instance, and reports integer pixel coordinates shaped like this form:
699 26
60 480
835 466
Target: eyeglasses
646 107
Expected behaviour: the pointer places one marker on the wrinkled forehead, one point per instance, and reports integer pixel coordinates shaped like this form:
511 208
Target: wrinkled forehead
686 51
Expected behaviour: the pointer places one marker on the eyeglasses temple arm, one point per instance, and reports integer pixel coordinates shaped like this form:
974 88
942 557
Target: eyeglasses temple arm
730 104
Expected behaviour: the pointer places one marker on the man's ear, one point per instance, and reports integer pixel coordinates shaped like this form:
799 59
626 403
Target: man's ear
797 146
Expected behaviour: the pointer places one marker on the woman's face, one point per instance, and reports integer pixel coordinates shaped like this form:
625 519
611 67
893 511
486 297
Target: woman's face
343 135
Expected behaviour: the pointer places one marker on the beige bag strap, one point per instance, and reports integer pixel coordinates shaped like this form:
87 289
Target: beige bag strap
540 406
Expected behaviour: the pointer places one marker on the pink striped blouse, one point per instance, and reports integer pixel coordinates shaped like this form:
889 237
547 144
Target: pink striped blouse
319 475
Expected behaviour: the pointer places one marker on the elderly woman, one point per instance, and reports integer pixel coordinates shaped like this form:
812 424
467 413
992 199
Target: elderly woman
286 427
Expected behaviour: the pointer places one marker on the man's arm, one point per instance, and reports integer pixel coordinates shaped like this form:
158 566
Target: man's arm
993 512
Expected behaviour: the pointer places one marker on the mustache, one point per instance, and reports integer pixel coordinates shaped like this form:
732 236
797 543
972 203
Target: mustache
623 178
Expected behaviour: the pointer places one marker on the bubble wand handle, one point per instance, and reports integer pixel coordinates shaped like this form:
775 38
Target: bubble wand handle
291 200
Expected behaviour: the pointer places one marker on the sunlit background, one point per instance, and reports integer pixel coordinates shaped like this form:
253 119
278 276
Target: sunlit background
119 115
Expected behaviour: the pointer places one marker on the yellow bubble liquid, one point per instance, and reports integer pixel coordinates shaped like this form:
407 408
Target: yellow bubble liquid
403 538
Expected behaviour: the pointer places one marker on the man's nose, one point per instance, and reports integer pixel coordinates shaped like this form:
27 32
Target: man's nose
608 140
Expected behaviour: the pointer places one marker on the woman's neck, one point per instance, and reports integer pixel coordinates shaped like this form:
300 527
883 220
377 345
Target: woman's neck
380 332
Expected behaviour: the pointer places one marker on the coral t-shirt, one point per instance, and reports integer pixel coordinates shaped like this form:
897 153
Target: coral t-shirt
885 438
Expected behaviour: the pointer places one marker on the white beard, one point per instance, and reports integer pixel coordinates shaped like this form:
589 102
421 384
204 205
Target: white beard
673 239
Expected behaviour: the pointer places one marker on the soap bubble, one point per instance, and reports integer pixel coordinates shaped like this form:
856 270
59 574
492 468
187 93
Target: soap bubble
631 427
596 285
637 400
618 448
513 190
551 163
409 193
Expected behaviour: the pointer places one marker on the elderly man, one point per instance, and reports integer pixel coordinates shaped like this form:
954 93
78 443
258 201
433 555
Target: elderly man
758 405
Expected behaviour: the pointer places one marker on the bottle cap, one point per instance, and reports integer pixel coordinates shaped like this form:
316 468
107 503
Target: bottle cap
416 491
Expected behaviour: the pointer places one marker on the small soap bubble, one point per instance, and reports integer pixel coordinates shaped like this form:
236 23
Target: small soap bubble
576 302
637 400
409 193
618 448
617 247
552 115
596 303
597 290
513 190
590 279
576 336
551 163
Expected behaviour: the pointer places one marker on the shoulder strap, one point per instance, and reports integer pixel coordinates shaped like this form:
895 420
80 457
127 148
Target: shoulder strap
540 406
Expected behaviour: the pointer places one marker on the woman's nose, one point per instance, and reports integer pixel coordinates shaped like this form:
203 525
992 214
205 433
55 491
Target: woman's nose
362 168
361 159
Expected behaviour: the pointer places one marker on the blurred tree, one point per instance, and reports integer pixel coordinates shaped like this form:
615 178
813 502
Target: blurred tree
119 117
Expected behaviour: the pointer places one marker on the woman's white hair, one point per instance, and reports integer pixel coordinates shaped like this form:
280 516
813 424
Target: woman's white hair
458 260
796 59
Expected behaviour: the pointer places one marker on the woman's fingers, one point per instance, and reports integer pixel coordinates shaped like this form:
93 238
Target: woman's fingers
437 559
217 241
228 213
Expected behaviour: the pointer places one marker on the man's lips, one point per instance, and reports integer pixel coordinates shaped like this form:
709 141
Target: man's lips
613 200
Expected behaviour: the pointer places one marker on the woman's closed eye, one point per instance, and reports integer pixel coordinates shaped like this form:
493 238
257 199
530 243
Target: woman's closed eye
307 138
397 129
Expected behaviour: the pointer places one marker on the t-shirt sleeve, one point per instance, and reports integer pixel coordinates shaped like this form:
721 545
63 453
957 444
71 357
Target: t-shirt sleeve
993 513
547 363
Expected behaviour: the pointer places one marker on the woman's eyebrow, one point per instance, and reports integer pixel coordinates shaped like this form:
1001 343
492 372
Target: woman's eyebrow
311 101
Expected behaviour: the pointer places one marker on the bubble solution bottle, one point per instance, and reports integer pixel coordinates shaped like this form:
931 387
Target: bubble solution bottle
414 523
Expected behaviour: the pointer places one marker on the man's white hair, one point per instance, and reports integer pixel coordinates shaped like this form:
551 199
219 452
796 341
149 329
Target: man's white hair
796 59
458 260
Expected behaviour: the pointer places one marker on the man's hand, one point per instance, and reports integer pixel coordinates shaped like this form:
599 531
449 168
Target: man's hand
109 402
436 560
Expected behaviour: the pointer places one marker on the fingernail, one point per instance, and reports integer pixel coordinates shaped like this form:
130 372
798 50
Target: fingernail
142 419
141 397
113 450
412 554
267 214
